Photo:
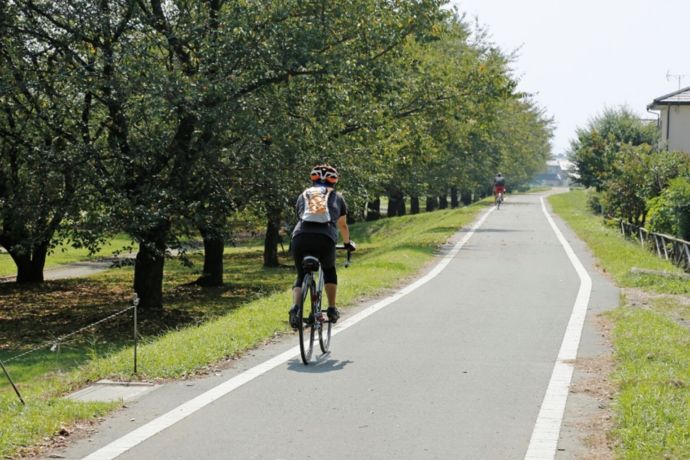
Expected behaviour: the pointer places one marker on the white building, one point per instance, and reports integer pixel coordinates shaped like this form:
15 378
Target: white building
674 120
556 173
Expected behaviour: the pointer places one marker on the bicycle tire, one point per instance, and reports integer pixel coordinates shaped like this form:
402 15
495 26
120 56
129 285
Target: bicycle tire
306 329
325 335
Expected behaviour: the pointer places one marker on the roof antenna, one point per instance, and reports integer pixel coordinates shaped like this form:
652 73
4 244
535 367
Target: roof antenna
679 76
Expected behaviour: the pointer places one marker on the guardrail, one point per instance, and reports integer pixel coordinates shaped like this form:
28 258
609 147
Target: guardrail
666 246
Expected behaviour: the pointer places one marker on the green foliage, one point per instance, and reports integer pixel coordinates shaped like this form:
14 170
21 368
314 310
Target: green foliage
624 194
596 147
161 120
637 175
670 212
595 201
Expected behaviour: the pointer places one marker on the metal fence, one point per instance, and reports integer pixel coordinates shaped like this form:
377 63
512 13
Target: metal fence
666 246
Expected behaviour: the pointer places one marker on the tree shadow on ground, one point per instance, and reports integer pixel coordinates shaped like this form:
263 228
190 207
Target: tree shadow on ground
31 315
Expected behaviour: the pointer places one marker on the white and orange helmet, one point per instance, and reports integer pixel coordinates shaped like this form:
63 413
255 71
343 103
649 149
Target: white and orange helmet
324 173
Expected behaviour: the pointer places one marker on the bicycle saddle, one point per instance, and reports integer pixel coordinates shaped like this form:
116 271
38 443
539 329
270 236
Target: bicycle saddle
310 263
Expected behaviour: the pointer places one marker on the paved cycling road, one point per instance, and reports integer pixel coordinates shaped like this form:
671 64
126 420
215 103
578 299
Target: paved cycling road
456 369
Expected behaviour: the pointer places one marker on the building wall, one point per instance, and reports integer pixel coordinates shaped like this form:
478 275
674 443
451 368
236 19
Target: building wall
679 132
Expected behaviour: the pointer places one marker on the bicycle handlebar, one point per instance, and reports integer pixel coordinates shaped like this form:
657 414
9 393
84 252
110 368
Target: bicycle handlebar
349 253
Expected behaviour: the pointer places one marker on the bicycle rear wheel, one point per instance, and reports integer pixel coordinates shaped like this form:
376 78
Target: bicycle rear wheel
306 325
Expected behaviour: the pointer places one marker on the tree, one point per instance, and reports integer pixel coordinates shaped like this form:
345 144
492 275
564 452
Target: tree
624 195
595 149
45 180
670 211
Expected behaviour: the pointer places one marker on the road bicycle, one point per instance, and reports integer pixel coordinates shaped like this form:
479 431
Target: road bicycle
313 320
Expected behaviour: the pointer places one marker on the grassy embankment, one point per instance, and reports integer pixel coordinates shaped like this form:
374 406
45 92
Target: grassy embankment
651 340
219 323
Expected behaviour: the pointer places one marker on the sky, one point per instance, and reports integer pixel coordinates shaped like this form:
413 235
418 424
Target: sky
580 57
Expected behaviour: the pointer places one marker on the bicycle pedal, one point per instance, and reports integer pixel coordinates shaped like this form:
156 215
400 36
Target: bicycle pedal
322 317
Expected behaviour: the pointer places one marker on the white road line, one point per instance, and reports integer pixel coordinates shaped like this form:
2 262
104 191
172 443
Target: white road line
544 439
155 426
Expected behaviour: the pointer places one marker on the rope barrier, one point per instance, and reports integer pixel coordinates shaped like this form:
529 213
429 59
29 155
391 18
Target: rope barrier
56 343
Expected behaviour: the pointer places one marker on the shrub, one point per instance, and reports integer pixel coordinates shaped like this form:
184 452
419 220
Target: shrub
670 212
594 201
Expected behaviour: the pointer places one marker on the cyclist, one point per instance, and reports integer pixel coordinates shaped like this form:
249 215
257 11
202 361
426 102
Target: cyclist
499 186
322 212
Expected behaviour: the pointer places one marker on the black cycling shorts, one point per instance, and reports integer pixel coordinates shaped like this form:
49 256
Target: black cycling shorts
320 246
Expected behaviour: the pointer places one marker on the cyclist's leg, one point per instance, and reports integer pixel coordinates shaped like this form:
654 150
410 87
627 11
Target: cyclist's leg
298 251
304 244
331 293
330 277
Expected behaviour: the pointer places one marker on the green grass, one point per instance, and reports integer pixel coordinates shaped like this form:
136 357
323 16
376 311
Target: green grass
653 375
651 342
616 255
220 323
64 254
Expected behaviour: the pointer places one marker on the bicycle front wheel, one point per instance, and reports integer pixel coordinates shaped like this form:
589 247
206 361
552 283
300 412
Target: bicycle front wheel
306 324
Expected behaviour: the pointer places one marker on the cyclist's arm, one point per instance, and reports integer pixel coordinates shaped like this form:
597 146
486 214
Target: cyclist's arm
344 229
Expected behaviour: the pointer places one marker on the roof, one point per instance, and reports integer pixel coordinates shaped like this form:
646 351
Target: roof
680 97
562 164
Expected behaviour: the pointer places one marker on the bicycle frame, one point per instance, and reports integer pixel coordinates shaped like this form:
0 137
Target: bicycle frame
317 297
313 285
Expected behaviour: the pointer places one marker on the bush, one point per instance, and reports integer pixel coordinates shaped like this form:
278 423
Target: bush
670 212
661 218
594 201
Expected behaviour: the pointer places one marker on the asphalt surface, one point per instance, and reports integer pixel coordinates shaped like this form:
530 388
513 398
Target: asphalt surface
456 369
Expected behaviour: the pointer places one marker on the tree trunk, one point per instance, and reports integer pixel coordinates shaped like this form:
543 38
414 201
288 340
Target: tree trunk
148 269
454 203
430 203
443 201
392 209
466 197
30 267
414 204
374 209
214 247
148 277
396 204
272 238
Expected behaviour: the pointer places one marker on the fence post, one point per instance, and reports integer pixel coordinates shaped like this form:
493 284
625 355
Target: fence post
641 237
7 374
135 301
663 245
687 253
656 242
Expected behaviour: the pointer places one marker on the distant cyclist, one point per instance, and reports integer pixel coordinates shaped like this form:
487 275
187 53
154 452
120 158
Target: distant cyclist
322 212
499 186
